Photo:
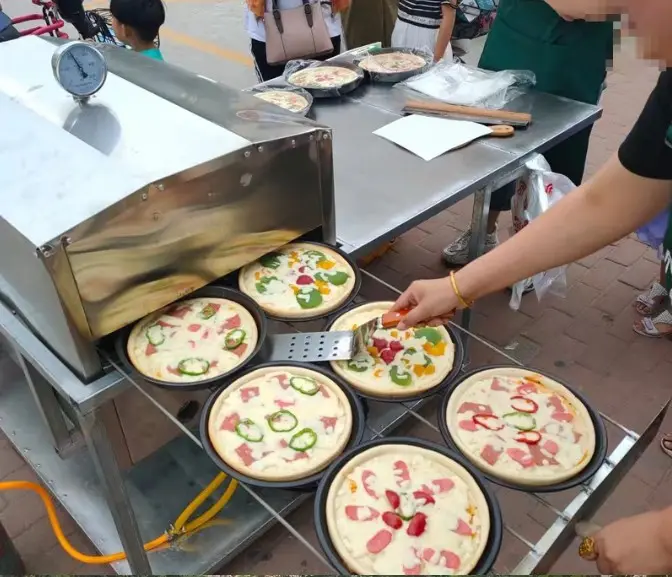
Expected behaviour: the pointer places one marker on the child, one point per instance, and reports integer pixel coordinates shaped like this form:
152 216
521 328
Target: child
137 22
425 25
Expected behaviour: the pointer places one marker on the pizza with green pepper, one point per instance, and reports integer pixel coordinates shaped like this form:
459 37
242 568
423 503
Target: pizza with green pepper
193 340
280 423
521 426
299 281
396 363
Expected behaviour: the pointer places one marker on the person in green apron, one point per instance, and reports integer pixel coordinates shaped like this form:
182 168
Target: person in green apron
369 21
568 58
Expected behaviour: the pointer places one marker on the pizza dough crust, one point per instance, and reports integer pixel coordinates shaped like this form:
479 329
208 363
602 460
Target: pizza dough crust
392 62
365 381
531 478
314 405
284 99
178 347
323 77
284 304
340 486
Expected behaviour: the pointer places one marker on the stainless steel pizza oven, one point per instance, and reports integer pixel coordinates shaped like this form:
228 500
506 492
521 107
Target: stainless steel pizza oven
160 184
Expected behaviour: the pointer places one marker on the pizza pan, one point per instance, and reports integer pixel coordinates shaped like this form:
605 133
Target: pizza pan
344 304
394 77
492 545
208 291
317 92
601 440
294 89
446 382
306 484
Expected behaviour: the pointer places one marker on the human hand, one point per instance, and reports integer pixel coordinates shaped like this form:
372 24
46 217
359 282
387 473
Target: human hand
634 545
431 302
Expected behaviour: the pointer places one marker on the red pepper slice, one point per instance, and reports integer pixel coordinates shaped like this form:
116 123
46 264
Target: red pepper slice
490 422
392 520
528 437
524 405
393 499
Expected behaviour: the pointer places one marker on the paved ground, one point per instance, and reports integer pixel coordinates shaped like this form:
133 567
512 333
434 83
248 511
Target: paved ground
585 337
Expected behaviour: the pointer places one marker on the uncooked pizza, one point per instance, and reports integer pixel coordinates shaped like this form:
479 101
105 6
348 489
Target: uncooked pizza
284 99
392 62
402 509
521 426
323 77
280 423
300 280
396 363
193 340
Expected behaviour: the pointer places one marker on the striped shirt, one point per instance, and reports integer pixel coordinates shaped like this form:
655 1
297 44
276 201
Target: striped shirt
423 13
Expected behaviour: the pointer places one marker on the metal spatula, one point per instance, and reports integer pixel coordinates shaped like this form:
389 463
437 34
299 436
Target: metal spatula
362 335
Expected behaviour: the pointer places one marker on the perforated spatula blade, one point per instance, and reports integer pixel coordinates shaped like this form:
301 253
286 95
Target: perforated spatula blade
362 334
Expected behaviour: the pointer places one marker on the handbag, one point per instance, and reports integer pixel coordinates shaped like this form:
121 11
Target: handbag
296 33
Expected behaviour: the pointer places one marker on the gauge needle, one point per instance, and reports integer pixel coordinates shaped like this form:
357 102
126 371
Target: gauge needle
79 66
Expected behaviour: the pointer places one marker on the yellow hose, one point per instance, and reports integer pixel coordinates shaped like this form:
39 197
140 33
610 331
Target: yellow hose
182 525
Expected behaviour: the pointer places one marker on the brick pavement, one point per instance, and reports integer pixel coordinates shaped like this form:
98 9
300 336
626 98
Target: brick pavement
585 338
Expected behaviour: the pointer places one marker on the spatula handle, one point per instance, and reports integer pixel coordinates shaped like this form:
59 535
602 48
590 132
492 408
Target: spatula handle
468 110
502 131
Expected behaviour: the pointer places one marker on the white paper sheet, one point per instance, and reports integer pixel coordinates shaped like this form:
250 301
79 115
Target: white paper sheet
429 137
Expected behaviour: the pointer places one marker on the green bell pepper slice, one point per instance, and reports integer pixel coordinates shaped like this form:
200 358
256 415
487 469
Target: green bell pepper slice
400 377
155 335
193 366
247 429
521 421
234 339
303 440
282 421
304 385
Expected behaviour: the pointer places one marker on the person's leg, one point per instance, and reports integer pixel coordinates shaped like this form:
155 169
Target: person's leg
457 254
650 303
264 70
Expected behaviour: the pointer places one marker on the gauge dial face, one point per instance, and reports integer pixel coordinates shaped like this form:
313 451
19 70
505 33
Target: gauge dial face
80 69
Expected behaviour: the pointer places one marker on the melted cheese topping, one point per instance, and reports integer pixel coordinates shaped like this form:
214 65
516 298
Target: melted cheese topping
251 401
284 99
373 536
396 362
392 62
299 280
521 427
179 344
323 77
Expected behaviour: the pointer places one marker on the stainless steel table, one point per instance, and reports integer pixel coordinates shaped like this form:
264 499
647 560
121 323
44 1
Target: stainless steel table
381 191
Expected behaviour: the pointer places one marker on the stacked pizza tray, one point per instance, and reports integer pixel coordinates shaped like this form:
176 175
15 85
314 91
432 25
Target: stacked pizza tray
387 506
392 65
329 79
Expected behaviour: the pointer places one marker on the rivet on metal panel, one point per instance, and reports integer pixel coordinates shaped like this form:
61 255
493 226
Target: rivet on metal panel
311 137
47 250
156 215
293 143
260 148
66 241
247 154
144 196
326 136
246 179
160 187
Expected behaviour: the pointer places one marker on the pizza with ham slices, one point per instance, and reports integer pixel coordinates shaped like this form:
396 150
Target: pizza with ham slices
301 280
396 363
280 423
323 77
193 340
284 99
521 426
392 62
399 509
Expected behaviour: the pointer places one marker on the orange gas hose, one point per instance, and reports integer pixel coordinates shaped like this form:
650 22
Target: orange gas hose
182 527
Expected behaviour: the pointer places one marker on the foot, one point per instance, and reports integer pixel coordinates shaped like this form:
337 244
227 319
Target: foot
457 254
648 304
657 327
666 444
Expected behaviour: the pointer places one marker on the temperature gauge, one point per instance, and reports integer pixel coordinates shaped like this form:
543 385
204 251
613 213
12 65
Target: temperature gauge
79 68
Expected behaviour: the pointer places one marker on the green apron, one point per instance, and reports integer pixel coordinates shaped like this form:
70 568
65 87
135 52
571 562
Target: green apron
369 21
568 59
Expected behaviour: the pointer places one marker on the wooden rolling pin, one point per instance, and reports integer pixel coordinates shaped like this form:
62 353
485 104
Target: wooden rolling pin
514 118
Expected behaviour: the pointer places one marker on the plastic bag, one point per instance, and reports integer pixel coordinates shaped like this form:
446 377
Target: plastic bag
293 67
535 194
653 233
391 75
457 83
305 95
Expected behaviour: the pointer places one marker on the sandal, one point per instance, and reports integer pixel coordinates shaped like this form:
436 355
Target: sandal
648 304
666 444
648 326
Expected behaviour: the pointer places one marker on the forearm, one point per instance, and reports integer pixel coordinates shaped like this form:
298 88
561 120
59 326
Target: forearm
606 208
445 31
666 533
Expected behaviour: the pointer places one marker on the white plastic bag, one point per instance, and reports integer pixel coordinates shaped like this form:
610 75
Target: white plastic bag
535 194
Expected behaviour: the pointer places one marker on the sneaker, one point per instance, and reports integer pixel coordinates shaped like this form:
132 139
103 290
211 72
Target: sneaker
457 254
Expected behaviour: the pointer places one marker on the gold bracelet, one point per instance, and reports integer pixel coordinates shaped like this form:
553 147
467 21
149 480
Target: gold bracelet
464 302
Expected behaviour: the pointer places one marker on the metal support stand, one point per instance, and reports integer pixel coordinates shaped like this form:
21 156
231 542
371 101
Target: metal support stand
115 491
